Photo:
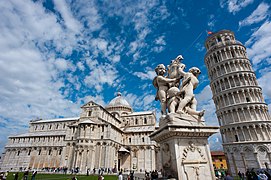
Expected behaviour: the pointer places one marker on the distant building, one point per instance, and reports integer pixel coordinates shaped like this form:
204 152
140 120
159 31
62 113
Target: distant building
219 160
245 123
113 137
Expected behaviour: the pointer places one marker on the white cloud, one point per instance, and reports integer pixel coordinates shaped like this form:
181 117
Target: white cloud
88 14
160 40
99 99
70 22
205 101
81 66
234 6
61 64
30 39
148 75
142 102
160 44
211 21
101 74
257 15
215 142
148 100
199 46
139 15
259 45
115 58
264 82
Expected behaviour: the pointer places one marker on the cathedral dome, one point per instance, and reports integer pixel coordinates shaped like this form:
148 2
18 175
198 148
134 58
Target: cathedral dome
119 104
119 101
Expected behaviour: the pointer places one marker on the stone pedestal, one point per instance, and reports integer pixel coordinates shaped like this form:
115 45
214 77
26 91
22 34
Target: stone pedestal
184 149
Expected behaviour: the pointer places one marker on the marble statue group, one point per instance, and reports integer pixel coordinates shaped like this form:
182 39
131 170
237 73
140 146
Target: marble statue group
175 89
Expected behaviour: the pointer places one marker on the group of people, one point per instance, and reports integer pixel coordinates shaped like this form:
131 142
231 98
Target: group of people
4 175
151 175
258 175
251 174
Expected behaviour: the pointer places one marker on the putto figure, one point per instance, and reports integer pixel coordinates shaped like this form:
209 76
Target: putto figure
189 102
177 99
161 83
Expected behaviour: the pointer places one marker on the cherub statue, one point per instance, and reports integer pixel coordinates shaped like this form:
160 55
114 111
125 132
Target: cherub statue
190 82
161 83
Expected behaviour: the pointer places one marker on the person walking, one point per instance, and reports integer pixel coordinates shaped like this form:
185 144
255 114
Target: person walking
228 177
34 175
16 176
120 177
25 177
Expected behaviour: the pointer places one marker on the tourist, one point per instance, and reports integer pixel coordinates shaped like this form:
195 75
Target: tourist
262 176
16 176
100 177
88 172
240 175
25 177
228 177
74 178
120 177
132 175
34 175
5 175
147 177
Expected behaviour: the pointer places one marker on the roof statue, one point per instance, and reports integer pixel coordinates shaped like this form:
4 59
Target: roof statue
176 92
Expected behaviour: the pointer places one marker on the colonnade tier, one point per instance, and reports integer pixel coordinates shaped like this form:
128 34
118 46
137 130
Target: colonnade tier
232 65
237 96
230 81
240 133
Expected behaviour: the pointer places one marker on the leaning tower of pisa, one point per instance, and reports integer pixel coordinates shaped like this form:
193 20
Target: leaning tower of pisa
245 122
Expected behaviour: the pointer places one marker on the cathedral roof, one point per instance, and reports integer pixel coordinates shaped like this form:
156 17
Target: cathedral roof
54 120
119 101
88 121
140 113
41 134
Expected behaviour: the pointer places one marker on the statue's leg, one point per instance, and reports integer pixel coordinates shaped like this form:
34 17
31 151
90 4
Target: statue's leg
183 103
193 112
172 106
194 104
163 108
163 102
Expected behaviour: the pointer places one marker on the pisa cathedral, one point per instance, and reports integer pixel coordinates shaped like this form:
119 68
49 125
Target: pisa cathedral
113 137
245 123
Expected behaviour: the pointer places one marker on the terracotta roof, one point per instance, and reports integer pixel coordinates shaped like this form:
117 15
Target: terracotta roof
217 153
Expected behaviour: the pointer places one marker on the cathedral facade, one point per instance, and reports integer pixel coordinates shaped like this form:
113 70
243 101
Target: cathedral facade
111 137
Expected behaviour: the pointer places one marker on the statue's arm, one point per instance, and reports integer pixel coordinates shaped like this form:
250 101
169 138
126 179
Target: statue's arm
166 80
181 72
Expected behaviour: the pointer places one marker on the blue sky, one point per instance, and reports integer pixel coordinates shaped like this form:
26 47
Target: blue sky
57 55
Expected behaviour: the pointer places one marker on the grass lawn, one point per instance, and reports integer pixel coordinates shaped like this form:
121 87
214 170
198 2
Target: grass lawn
61 177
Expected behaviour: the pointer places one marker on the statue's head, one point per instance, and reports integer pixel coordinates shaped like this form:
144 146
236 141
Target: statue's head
160 69
194 70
